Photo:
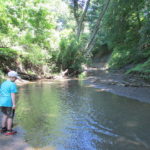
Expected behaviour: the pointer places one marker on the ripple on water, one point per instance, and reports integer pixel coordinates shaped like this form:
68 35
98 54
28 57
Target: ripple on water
72 117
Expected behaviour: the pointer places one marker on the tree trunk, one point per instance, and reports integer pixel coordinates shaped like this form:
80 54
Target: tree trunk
90 45
80 23
75 11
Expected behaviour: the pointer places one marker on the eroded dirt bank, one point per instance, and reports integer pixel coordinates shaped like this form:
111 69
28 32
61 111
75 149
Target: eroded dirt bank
117 82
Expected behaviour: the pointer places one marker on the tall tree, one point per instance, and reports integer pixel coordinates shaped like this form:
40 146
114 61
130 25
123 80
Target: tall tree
91 41
80 24
80 7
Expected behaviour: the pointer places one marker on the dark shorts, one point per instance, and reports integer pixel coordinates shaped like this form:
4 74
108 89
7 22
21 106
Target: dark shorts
8 111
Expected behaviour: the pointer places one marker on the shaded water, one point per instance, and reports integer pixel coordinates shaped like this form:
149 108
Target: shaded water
68 115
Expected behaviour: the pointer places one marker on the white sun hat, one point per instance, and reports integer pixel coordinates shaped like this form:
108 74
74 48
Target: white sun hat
13 74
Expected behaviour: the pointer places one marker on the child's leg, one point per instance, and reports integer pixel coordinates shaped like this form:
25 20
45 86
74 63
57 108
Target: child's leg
4 121
10 115
9 123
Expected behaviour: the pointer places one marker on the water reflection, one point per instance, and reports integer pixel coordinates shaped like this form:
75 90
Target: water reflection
67 115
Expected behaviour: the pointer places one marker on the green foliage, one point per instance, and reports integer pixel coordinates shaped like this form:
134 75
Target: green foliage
145 34
34 28
34 59
100 50
43 32
142 69
7 53
71 55
1 76
82 75
125 29
121 56
8 57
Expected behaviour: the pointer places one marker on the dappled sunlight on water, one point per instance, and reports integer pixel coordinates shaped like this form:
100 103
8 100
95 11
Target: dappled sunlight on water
66 115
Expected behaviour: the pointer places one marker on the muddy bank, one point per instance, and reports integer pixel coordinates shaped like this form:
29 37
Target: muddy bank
98 76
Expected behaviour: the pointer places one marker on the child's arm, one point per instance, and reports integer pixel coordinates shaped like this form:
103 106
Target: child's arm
13 96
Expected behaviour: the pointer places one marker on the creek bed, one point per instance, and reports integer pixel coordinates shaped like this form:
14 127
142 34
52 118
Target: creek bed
67 115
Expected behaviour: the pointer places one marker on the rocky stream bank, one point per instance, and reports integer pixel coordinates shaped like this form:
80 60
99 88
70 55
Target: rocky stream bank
117 82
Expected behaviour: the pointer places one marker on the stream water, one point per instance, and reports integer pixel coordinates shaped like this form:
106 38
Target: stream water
68 115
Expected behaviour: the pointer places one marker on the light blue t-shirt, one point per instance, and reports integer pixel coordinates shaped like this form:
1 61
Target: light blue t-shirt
6 89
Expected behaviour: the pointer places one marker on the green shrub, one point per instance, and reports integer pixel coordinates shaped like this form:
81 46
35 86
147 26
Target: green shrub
82 75
122 56
34 59
71 55
142 69
8 58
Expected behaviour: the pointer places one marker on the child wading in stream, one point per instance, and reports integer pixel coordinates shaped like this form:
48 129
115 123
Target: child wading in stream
8 90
